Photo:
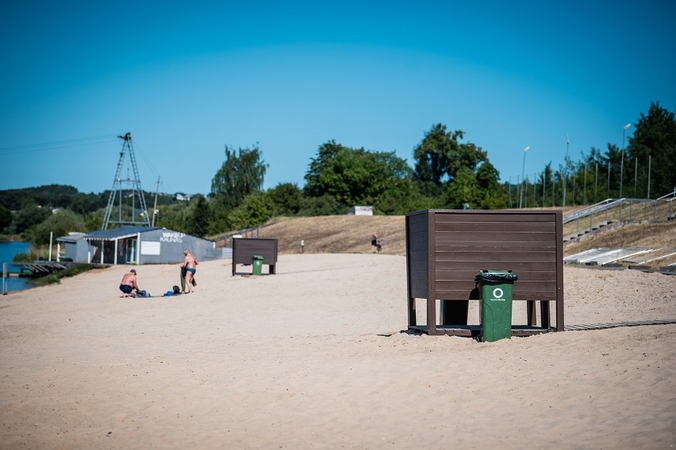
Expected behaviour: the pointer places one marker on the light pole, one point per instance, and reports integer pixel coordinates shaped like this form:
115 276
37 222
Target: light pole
565 168
624 130
523 169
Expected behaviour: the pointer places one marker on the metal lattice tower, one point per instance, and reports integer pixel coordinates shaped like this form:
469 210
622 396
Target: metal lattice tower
127 214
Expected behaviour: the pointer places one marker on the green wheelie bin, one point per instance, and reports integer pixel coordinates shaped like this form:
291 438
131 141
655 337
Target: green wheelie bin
496 303
257 264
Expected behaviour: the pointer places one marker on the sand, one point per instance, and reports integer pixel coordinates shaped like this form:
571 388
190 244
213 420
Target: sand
314 357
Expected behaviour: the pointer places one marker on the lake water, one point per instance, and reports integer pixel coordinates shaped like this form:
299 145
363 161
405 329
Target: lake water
7 252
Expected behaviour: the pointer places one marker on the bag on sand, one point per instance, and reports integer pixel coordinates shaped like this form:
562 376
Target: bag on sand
174 291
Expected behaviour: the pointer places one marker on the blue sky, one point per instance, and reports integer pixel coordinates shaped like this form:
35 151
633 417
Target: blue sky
188 78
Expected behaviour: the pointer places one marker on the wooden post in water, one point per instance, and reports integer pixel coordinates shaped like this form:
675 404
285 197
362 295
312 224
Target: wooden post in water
4 278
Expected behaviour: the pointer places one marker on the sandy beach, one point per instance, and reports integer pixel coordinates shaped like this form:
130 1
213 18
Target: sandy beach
315 357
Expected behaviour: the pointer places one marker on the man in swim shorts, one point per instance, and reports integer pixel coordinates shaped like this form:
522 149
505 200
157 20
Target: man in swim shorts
190 266
128 285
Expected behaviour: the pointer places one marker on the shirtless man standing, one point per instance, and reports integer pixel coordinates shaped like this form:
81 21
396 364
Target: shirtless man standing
190 265
128 285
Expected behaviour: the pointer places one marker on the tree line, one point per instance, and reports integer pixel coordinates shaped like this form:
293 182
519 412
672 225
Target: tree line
447 173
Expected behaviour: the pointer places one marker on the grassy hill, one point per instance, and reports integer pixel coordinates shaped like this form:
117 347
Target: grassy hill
351 234
337 234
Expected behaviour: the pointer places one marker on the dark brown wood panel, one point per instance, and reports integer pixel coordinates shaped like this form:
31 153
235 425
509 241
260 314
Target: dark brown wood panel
458 293
465 216
417 259
491 227
483 259
523 267
497 236
447 248
244 249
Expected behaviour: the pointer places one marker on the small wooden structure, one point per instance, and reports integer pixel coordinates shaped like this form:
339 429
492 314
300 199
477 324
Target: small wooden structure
244 249
42 268
445 249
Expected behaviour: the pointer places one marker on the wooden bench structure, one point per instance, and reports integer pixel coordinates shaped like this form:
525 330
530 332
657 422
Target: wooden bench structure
244 249
445 250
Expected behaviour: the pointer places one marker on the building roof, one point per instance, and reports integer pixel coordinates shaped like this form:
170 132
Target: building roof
71 238
118 233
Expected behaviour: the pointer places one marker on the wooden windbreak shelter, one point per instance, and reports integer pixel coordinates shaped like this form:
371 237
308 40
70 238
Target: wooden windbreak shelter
445 250
244 249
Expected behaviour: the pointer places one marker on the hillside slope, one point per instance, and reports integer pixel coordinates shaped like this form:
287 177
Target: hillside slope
338 234
351 234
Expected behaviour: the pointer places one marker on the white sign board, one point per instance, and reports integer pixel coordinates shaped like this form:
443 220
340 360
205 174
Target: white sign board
150 248
361 211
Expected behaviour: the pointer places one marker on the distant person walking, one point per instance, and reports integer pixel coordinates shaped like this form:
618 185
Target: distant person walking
190 266
128 285
374 242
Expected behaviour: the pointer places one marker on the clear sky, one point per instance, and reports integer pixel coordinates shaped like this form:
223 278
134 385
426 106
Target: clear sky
188 78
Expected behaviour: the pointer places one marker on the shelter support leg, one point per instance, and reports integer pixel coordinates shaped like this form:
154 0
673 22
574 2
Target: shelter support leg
532 314
412 320
545 317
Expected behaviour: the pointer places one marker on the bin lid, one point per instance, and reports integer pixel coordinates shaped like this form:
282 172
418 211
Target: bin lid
496 276
257 257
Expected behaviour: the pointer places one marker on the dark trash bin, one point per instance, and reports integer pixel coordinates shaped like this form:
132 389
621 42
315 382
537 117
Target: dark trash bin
496 303
257 264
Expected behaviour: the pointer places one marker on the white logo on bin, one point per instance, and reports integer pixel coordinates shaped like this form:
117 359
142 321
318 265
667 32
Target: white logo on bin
497 295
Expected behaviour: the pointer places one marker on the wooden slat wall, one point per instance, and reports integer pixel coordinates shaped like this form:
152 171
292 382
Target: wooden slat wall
522 241
417 254
447 248
244 249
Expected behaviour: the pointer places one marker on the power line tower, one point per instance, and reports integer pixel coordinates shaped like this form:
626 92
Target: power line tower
129 191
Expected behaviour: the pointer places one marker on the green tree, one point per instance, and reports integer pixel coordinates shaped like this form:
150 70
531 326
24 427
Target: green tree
241 174
5 218
62 222
353 176
94 221
286 199
463 190
30 217
173 217
546 178
86 203
325 205
256 209
655 136
492 196
440 156
401 197
613 156
197 221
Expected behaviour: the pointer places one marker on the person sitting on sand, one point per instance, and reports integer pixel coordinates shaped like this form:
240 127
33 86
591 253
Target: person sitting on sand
128 285
190 264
